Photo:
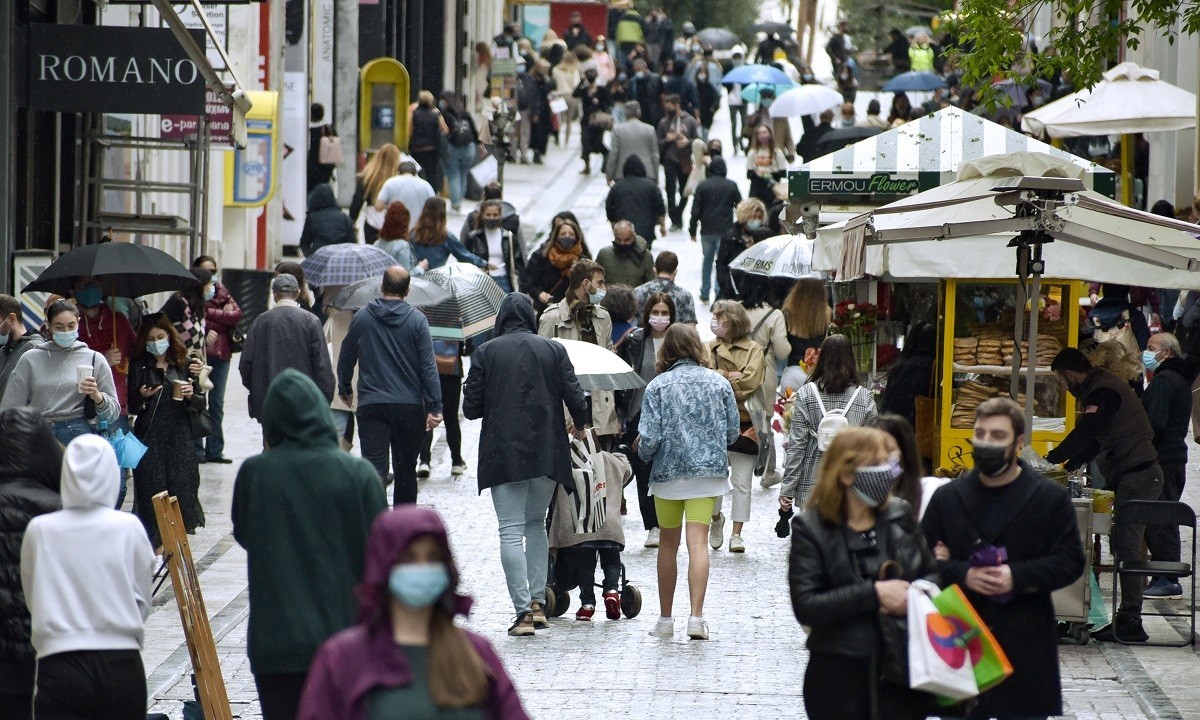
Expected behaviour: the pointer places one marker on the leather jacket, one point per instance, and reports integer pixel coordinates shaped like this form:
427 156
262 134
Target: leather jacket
829 594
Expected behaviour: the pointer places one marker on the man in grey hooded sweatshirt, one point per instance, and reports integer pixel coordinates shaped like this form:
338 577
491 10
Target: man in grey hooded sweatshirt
86 573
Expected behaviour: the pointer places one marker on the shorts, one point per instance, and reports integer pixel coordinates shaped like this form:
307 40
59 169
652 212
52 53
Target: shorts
671 513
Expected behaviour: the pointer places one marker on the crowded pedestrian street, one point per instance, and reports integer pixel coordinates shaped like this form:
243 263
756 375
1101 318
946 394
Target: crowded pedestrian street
751 667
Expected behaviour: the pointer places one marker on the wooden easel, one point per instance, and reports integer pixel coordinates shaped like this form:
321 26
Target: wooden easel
178 553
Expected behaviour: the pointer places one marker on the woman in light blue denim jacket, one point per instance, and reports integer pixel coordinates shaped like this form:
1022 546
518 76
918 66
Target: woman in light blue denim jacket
689 419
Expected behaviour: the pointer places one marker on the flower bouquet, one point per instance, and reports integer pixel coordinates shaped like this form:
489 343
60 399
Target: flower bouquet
856 320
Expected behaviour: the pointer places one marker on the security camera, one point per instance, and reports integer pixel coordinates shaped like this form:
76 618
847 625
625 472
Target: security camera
810 210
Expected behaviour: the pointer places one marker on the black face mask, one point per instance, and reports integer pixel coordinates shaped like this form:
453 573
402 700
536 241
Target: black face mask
566 242
622 249
992 459
491 224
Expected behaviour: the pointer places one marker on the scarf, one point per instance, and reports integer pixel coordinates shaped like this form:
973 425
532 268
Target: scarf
564 259
583 314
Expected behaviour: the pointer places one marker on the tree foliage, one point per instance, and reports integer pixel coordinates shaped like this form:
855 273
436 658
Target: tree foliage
1085 41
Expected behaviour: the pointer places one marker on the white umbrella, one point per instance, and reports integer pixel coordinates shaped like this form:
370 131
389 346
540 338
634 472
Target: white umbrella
786 256
600 369
805 100
1130 99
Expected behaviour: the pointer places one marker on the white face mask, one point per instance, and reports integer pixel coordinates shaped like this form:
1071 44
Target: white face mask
660 322
717 327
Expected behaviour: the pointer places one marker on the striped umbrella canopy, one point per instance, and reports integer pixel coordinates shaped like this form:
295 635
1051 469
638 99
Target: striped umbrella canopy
345 264
474 301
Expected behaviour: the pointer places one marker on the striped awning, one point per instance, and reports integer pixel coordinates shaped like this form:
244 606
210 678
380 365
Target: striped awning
924 154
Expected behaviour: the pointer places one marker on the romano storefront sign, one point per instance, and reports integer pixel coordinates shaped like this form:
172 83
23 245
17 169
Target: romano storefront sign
92 68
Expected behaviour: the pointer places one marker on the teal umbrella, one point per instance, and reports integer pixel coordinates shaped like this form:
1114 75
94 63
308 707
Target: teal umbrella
751 93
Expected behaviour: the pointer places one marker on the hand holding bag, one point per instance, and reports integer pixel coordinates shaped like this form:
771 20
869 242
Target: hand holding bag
940 647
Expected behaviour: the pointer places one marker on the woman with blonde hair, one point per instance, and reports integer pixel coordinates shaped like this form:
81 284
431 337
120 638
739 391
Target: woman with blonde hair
566 79
855 550
808 314
1115 358
384 164
737 358
749 227
552 48
765 163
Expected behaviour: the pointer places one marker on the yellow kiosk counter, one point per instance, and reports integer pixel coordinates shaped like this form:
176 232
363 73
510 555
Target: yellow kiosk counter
975 362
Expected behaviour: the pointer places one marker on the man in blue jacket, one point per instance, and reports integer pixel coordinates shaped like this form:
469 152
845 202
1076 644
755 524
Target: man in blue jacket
399 394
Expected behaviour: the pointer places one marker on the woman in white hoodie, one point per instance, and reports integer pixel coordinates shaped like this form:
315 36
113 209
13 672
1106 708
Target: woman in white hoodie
86 572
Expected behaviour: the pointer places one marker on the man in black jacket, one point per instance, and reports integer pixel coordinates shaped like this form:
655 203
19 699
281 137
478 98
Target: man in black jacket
519 383
715 200
496 244
1168 403
638 199
1114 430
325 223
14 340
1008 537
399 393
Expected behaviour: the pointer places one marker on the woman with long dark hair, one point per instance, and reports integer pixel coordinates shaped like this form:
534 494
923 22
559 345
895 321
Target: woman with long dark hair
186 310
593 98
432 242
406 657
546 270
913 486
912 374
163 397
765 163
640 350
832 386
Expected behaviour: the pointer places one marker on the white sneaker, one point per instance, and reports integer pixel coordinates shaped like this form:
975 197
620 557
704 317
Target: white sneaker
697 629
736 545
664 628
422 470
652 538
771 479
716 532
458 469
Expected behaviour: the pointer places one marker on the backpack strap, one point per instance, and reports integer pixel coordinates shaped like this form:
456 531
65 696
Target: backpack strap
820 404
852 397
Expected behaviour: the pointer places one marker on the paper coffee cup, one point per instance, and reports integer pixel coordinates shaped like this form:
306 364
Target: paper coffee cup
177 389
83 371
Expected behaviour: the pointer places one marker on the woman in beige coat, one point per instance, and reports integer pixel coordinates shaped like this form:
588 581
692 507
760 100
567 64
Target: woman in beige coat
566 79
739 360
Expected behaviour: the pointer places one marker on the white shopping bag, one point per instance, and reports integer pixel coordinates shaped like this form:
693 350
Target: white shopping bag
939 659
558 105
588 504
486 171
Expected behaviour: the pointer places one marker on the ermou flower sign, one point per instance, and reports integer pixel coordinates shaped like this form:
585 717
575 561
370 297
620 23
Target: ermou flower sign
90 68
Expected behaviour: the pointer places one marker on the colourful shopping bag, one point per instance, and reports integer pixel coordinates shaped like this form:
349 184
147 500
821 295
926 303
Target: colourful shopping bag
988 658
939 658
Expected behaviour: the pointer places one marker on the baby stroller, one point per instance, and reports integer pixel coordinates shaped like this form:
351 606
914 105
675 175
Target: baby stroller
573 554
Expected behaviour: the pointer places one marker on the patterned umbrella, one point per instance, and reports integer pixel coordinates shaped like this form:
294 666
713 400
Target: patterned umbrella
345 264
474 301
421 293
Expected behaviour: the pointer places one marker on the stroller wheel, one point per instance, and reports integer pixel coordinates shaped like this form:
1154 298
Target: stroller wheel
557 603
631 601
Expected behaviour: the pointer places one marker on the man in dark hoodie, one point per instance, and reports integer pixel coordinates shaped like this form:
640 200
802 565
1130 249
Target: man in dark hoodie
325 223
715 200
14 341
302 510
519 383
399 393
1168 403
639 200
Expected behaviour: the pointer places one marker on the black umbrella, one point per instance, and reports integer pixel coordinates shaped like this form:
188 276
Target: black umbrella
421 293
774 27
124 270
835 140
719 38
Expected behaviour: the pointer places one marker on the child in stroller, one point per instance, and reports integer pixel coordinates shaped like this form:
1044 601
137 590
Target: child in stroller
574 554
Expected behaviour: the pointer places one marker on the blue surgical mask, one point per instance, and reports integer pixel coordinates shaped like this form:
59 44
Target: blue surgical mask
5 334
419 585
753 224
158 347
66 339
210 292
89 296
215 279
597 296
1150 360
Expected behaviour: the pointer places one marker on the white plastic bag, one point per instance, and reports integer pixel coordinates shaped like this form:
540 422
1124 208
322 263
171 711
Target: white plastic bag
938 659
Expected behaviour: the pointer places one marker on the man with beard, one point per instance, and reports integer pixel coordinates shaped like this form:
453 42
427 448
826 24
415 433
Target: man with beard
1008 537
1114 430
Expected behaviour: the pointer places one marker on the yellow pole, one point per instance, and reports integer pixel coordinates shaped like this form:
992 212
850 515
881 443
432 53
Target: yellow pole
1127 170
1056 142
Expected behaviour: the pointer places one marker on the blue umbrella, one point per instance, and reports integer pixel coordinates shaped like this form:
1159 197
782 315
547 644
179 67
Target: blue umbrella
753 93
761 74
915 82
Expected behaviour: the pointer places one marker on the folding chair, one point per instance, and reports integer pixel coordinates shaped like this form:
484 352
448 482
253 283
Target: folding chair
1150 512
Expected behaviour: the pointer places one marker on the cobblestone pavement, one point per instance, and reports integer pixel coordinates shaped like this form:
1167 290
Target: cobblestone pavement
752 667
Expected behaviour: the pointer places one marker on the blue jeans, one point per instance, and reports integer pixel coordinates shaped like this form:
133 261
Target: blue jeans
458 161
521 508
709 243
216 407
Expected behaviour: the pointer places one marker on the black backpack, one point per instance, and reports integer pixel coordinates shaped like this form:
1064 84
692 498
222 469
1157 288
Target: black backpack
460 132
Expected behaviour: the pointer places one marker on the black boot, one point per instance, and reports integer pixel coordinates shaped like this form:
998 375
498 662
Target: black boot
1126 628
